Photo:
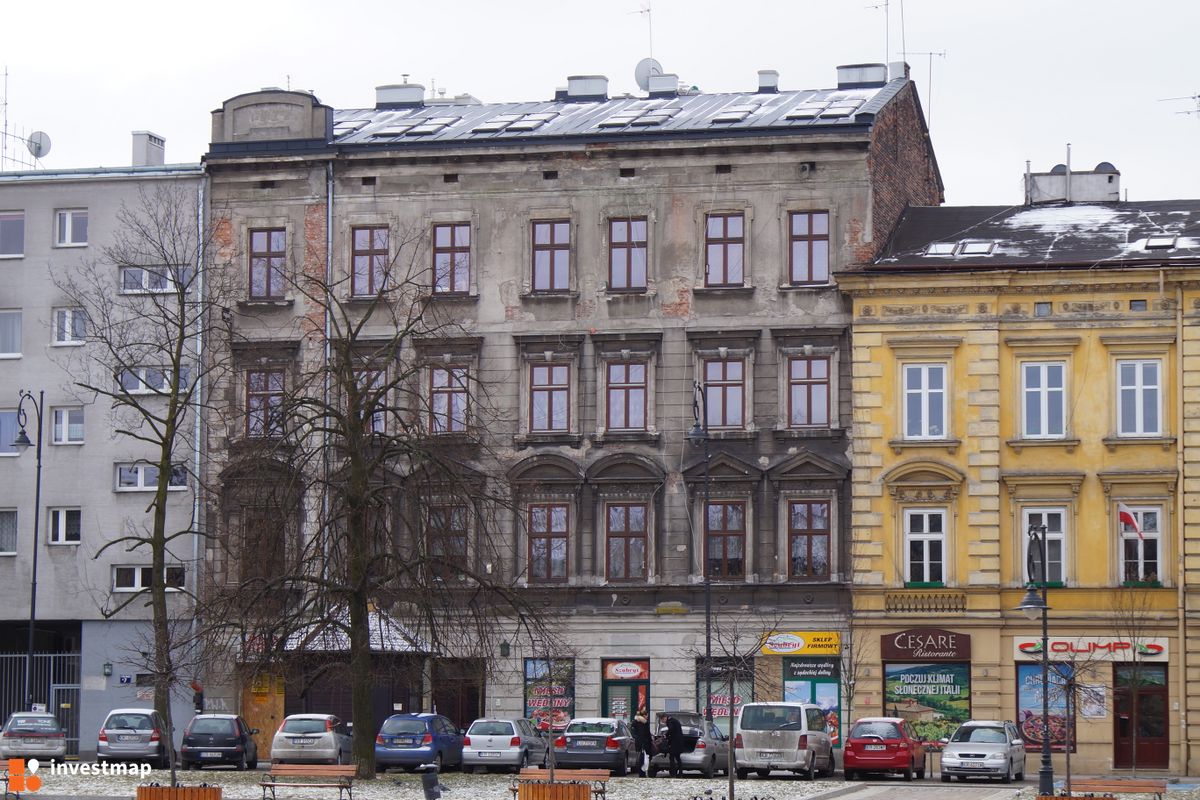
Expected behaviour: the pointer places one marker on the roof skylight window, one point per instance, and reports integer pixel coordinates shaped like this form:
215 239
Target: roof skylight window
735 113
497 123
940 249
515 122
344 128
805 111
840 110
431 125
976 248
1161 242
645 116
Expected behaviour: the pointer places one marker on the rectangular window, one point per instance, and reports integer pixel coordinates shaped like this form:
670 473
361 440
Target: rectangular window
725 393
446 540
1139 398
70 326
68 425
137 477
8 433
1045 404
626 396
264 402
548 531
724 244
1140 546
1056 545
8 532
924 546
725 540
452 258
12 233
448 399
809 236
268 257
924 401
10 334
808 538
65 525
146 280
149 380
137 579
550 397
625 529
373 399
552 256
627 254
71 227
808 392
369 257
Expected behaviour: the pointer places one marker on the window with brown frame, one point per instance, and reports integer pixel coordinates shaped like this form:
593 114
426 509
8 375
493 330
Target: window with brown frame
808 538
627 396
548 532
549 398
724 244
446 540
264 402
725 392
625 527
449 394
552 256
809 237
452 258
808 392
369 259
725 539
268 255
373 399
261 555
626 254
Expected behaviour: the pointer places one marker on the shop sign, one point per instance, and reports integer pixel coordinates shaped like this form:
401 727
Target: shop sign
811 669
802 643
1094 648
1029 706
934 697
550 692
925 644
626 670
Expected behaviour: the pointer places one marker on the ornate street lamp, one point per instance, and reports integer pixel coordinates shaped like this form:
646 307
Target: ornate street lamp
22 442
1032 605
698 436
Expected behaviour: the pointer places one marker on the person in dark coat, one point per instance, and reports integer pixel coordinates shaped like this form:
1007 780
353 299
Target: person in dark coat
675 745
640 727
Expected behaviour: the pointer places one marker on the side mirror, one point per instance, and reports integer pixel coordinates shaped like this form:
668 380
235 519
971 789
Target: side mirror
462 731
945 740
349 726
1018 741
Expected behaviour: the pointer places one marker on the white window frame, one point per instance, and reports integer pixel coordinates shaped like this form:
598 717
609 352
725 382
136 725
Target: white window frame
16 312
144 481
1139 388
144 287
7 449
56 529
1045 397
70 327
143 576
64 235
16 531
922 395
60 431
925 536
9 216
1128 535
143 387
1041 515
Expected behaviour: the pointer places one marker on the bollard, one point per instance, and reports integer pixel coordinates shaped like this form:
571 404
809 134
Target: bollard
431 783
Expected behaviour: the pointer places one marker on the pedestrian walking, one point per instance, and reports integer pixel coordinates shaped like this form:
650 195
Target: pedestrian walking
645 742
674 745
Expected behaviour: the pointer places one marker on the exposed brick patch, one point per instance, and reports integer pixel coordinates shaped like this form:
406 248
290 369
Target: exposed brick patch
682 307
585 309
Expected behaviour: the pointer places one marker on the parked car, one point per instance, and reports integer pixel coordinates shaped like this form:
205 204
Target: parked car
32 734
603 742
218 739
705 746
782 736
502 743
410 740
986 748
883 744
133 734
311 739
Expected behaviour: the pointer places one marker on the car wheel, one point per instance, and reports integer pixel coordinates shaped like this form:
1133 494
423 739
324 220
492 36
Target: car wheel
1021 774
710 767
252 763
848 774
524 762
742 773
241 764
908 772
652 771
1007 776
623 768
762 773
437 762
811 770
945 778
921 772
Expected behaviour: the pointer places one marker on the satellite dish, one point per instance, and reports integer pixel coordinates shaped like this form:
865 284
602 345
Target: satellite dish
38 144
644 69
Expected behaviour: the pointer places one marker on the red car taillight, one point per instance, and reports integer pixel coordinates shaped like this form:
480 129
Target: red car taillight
802 742
737 742
379 738
700 745
427 739
103 737
466 741
513 742
328 724
612 744
155 735
560 743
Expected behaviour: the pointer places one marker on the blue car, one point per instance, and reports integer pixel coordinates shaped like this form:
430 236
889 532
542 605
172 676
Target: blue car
410 740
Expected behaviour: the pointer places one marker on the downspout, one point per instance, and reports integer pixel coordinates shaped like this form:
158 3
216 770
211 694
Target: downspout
198 389
1181 609
326 355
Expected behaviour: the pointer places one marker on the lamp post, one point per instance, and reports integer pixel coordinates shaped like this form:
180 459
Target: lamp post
21 442
1034 604
698 435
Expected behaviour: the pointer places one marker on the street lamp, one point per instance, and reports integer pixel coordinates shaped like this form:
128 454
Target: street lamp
22 442
698 436
1032 605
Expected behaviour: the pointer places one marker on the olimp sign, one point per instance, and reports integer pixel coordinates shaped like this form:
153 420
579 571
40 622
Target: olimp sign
925 644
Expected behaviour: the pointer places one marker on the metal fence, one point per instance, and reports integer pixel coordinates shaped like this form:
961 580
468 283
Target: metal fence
55 682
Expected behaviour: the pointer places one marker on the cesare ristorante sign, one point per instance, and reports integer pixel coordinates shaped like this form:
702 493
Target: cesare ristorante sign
925 644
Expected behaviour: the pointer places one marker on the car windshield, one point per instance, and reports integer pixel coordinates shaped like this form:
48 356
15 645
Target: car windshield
304 725
490 728
137 722
34 725
880 730
772 718
980 735
393 726
218 726
591 727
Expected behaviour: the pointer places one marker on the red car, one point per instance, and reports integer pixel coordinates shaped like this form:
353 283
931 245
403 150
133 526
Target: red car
883 744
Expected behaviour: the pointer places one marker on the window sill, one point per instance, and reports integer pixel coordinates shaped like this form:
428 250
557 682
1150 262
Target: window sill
1113 442
1019 444
11 255
627 294
265 302
9 356
534 439
69 245
924 585
1142 584
66 444
803 287
62 544
556 294
452 297
67 344
809 433
739 435
1047 585
949 445
621 437
722 291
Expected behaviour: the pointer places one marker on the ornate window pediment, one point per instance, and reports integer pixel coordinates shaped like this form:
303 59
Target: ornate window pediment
923 482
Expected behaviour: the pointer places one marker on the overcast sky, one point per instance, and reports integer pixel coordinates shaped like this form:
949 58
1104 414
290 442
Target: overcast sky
1019 79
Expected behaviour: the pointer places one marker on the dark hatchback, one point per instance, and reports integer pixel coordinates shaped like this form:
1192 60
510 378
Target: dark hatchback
218 739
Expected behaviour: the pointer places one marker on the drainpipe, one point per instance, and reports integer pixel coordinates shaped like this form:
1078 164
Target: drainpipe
328 301
1068 186
198 390
1181 606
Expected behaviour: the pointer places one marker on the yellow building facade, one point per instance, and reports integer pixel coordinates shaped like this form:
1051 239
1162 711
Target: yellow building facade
1016 369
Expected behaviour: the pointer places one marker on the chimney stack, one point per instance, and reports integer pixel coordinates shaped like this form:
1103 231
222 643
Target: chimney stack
587 87
768 81
399 95
666 85
149 149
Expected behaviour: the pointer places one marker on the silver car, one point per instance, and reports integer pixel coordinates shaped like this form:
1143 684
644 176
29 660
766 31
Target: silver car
984 748
783 736
133 734
33 734
511 743
704 752
311 739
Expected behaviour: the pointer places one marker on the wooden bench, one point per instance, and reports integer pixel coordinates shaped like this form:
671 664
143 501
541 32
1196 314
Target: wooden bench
1115 786
336 776
596 779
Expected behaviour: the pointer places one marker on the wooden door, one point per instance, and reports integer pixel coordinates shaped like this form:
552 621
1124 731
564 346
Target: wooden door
1141 716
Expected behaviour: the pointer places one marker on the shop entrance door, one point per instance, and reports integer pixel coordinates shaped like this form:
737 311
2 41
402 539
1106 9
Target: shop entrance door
1141 719
625 688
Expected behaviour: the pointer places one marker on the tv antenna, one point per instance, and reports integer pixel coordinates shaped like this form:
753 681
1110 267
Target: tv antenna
929 88
1195 98
648 13
37 143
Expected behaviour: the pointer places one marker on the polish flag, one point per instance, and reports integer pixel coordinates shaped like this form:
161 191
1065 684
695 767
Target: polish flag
1126 515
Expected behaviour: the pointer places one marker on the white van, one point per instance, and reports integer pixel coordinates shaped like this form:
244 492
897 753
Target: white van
783 736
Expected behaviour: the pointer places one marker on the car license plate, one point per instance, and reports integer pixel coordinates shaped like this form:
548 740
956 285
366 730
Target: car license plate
302 742
210 755
405 741
587 743
128 737
875 747
489 754
768 754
